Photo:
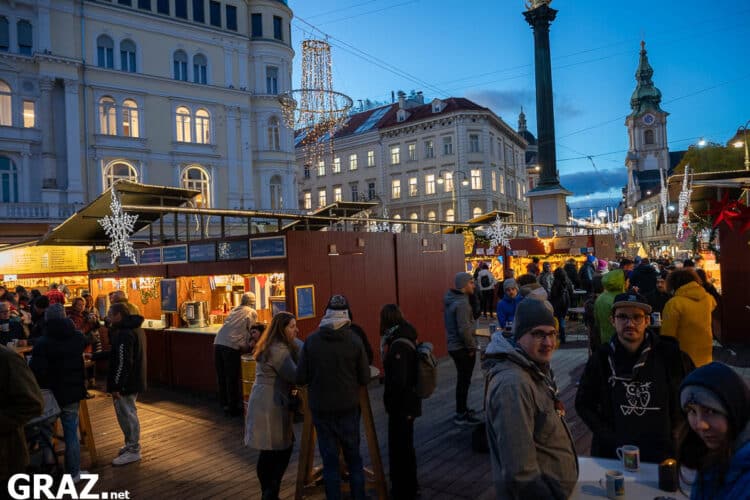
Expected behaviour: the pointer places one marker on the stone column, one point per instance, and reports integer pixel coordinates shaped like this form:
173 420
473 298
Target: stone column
227 66
46 124
232 173
76 163
246 160
43 28
25 189
242 57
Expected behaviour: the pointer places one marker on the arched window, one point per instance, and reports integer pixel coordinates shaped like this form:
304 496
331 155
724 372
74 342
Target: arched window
450 215
397 227
273 134
25 38
202 127
200 69
107 116
130 118
476 212
180 61
277 199
127 56
105 52
117 170
648 136
5 105
8 181
431 215
414 227
195 177
183 125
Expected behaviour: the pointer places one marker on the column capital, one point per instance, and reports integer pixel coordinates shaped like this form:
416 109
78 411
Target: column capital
46 83
71 86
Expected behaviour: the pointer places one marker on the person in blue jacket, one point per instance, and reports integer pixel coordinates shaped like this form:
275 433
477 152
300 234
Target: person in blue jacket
506 307
717 441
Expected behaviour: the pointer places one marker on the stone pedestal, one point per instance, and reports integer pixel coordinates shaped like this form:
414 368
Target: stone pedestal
548 207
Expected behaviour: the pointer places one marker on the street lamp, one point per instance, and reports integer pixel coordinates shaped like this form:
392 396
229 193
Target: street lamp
739 140
464 182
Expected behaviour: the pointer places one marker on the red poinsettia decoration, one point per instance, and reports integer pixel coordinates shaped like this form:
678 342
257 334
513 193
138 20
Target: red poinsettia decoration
728 211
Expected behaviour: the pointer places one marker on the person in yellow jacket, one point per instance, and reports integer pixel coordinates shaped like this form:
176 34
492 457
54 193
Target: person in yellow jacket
687 316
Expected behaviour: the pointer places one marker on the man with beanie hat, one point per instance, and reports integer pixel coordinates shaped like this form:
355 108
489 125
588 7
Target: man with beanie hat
629 391
506 307
531 448
462 346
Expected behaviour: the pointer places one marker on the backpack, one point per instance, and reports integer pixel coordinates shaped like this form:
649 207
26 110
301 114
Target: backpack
426 367
485 281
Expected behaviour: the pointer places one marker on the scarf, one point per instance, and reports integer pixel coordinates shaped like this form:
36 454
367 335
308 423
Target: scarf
614 377
335 319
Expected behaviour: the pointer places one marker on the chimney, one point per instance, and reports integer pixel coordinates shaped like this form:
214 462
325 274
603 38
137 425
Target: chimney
393 96
420 97
401 99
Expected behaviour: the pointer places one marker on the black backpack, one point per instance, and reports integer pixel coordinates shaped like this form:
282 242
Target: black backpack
485 281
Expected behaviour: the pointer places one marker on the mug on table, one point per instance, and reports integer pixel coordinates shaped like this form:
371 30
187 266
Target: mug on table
614 484
630 456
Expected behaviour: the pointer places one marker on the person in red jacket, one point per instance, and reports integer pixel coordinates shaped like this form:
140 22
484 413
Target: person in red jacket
54 295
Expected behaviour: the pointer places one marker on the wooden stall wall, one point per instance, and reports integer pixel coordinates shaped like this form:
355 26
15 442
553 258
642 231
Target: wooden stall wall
425 273
735 294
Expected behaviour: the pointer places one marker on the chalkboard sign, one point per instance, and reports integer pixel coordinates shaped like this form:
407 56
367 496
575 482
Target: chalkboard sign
99 260
232 250
176 254
149 256
202 252
268 248
168 295
305 299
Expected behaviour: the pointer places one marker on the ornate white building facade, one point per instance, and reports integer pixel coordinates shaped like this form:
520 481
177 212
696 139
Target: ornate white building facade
167 92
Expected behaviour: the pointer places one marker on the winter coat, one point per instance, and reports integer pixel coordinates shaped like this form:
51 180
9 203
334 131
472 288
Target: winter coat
333 364
531 447
127 357
506 309
644 277
586 276
400 365
57 361
545 279
15 331
642 409
572 272
490 277
657 300
687 317
561 297
614 284
269 424
736 482
459 321
20 401
235 332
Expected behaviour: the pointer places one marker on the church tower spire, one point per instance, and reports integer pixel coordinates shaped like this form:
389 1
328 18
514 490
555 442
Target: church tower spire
522 121
646 97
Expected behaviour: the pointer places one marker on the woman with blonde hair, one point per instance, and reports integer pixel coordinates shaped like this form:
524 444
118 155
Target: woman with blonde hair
268 426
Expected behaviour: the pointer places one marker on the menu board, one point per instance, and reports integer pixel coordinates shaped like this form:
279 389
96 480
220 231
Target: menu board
149 256
100 260
202 252
268 248
176 254
43 259
232 250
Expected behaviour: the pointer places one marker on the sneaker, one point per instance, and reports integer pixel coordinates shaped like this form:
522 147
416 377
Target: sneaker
465 419
77 477
127 458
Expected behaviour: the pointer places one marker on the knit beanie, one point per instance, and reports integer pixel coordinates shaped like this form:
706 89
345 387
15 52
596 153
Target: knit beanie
509 283
55 311
462 279
719 387
602 266
591 259
530 314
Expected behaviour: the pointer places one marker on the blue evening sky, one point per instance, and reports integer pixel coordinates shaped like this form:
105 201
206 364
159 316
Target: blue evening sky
484 51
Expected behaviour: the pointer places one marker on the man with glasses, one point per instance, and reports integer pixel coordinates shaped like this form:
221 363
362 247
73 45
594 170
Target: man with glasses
10 329
629 390
530 445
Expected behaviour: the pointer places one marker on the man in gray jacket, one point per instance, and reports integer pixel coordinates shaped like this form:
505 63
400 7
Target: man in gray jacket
462 346
530 445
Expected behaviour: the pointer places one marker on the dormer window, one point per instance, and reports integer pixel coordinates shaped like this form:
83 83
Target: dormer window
402 115
437 106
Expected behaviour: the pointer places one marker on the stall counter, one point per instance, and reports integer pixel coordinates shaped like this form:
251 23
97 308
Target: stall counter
206 330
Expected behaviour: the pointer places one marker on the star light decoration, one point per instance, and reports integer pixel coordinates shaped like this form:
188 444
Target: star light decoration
683 206
118 228
499 234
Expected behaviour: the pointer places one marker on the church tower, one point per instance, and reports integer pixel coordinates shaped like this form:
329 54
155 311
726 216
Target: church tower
648 153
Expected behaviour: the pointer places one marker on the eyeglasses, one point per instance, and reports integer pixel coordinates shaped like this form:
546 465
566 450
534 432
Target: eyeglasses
540 335
637 319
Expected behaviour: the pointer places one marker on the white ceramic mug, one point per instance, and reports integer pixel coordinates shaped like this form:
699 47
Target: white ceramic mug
630 456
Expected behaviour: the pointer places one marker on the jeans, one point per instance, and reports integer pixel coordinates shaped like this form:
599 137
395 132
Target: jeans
127 417
69 420
334 431
227 362
402 457
561 321
270 469
464 360
487 298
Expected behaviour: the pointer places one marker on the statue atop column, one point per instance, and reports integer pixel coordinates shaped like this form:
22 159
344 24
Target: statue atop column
533 4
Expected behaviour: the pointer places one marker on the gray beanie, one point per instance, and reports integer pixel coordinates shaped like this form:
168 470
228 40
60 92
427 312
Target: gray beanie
55 311
509 283
531 313
462 279
703 396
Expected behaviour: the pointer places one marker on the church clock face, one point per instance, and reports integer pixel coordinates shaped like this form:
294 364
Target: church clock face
648 119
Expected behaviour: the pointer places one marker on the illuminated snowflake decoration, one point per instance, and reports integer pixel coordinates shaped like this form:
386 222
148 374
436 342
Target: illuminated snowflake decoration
683 206
499 234
664 194
118 227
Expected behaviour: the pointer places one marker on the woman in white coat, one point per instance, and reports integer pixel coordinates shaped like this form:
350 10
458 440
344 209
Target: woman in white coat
268 427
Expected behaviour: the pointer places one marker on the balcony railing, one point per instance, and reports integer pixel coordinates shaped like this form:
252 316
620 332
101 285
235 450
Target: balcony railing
38 211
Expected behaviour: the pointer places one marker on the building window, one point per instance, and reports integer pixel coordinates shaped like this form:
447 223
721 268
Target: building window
353 162
414 227
648 136
321 168
371 191
162 7
277 34
412 152
476 212
493 179
492 144
337 194
307 171
413 186
8 181
6 101
307 200
107 116
476 178
117 170
450 215
29 114
200 69
448 145
195 177
274 142
4 34
431 216
256 21
322 197
179 63
144 4
448 182
202 127
231 14
396 189
519 194
429 149
129 118
395 155
272 80
127 56
355 191
336 168
473 143
371 158
277 198
429 184
25 40
105 52
501 184
184 133
214 12
180 9
125 2
199 13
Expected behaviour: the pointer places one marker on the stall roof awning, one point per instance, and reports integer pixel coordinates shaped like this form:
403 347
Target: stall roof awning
83 228
485 218
337 209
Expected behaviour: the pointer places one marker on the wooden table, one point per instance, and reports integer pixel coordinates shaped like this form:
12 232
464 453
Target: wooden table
643 484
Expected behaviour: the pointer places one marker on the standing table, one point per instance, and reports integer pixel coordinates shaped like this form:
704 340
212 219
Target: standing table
643 484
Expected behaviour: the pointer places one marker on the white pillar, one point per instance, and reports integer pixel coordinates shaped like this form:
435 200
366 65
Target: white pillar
246 160
227 66
233 172
243 56
46 124
76 164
